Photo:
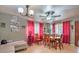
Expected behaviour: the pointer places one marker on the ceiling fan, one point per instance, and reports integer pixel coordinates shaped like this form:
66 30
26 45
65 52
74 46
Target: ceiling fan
49 14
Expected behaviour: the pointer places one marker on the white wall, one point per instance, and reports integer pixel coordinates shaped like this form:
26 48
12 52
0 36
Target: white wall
5 33
72 32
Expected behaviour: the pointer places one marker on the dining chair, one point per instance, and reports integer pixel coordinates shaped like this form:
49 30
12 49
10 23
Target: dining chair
58 41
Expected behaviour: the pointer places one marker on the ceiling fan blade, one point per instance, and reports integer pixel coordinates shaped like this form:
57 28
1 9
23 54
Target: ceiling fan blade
52 12
49 13
42 15
56 15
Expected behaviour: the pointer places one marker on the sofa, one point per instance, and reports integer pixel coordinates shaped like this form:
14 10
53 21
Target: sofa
13 46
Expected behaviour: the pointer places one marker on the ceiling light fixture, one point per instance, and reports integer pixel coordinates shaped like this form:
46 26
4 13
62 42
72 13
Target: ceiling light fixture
28 12
48 18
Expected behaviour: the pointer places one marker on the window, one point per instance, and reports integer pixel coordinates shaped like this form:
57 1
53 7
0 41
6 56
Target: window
58 29
36 27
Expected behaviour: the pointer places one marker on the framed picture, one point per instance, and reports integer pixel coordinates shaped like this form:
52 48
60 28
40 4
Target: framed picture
23 27
3 25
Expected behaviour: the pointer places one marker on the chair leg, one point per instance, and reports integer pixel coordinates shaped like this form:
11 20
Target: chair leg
55 46
60 46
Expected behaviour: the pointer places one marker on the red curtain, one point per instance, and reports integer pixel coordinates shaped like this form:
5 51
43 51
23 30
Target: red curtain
41 32
53 28
66 32
30 28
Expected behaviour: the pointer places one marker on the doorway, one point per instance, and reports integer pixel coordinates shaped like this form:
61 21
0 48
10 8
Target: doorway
76 32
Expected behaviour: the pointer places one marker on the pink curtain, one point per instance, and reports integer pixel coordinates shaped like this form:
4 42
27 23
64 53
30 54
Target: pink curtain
30 30
53 28
41 32
66 32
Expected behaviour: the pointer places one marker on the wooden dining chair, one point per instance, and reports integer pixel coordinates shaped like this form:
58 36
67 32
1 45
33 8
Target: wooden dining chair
58 41
52 40
36 39
46 39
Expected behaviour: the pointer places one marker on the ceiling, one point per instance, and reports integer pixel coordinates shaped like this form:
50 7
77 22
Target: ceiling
66 11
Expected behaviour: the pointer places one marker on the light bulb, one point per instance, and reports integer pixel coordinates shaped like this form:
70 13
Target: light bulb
20 10
48 18
31 12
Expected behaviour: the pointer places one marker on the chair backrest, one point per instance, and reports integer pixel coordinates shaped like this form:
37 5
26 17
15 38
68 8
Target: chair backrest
36 36
61 38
